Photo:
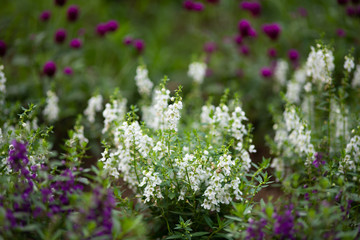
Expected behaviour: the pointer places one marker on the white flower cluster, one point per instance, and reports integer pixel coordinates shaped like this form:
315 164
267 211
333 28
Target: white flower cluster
352 155
114 111
94 105
349 63
340 119
197 71
281 71
319 65
142 81
2 84
295 86
356 79
152 181
51 111
78 136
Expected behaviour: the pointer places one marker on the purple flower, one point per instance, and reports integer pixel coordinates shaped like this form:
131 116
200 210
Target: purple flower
272 53
238 39
272 30
351 11
293 55
128 40
253 7
318 160
112 25
244 27
266 72
198 6
18 155
73 13
68 71
60 36
252 33
139 45
245 50
49 68
284 224
342 2
11 218
75 43
213 1
302 11
188 4
340 32
45 15
255 229
2 48
210 47
101 29
59 2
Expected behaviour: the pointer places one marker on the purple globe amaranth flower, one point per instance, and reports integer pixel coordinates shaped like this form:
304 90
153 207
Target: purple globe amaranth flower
252 33
73 13
68 71
101 29
342 2
75 43
128 40
188 4
293 55
245 50
302 11
198 6
351 11
244 27
60 36
253 7
272 30
238 39
112 25
266 72
340 32
18 155
272 53
139 45
45 16
59 2
2 48
49 68
210 47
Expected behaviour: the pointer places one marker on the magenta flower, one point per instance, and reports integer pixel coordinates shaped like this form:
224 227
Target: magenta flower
2 48
45 15
245 50
198 6
351 11
49 68
188 4
128 40
60 36
266 72
213 1
303 12
210 47
238 39
75 43
340 32
253 7
252 33
59 2
244 27
293 55
272 30
112 25
73 13
342 2
139 45
272 53
101 29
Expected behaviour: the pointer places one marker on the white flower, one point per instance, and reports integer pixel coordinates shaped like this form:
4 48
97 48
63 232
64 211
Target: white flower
94 105
280 72
152 181
349 63
78 136
142 81
293 92
356 79
197 71
308 87
114 111
319 65
2 85
51 110
352 155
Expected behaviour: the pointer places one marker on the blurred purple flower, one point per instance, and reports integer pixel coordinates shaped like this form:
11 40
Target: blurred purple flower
351 11
255 229
198 6
302 11
112 25
293 55
210 47
252 33
2 48
45 15
266 72
49 68
101 29
213 1
253 7
272 53
188 4
75 43
73 13
60 2
284 224
128 40
139 45
342 2
60 36
340 32
238 39
10 217
245 50
244 27
272 30
318 160
18 155
68 71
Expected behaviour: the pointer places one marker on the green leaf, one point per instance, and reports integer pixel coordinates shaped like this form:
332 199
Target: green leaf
208 221
177 236
198 234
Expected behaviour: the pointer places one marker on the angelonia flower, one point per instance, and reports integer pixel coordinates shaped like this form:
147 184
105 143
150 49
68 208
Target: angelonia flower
284 224
142 80
280 73
78 136
73 13
349 63
266 72
94 105
295 86
114 111
209 47
356 80
272 53
197 71
128 40
60 2
193 6
318 160
60 36
255 229
319 65
253 7
2 48
352 155
2 82
112 25
272 30
68 71
75 43
49 68
51 111
139 45
45 16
